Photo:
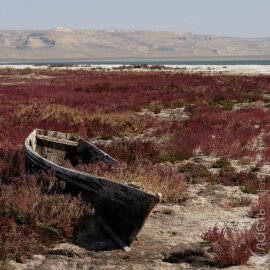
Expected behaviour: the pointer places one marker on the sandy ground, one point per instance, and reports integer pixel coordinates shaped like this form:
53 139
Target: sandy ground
169 240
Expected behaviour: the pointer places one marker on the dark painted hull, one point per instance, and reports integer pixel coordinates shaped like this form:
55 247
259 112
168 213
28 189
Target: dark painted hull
123 209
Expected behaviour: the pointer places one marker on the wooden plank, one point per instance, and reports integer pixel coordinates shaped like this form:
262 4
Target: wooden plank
56 140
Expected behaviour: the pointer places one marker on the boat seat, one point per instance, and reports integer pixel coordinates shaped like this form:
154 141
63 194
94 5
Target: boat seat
57 140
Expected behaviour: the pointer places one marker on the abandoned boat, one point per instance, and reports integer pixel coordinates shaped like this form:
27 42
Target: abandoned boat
122 209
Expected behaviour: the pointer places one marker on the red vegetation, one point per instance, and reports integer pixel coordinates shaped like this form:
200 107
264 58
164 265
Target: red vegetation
31 219
230 246
106 105
131 151
233 246
211 130
248 180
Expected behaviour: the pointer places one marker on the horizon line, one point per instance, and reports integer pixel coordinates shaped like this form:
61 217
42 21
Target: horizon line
59 28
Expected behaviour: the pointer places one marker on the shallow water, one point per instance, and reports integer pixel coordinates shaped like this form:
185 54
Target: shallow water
145 62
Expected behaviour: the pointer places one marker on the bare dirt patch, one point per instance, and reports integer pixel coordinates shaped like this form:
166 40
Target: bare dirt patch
170 239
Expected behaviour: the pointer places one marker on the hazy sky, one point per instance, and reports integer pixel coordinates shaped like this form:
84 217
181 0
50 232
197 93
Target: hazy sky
245 18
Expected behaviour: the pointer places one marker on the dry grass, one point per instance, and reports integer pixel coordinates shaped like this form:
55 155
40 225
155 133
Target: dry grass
196 173
237 202
152 178
105 125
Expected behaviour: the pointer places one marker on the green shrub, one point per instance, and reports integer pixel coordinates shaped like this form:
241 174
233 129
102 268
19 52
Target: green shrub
179 103
227 105
196 173
155 106
248 181
221 163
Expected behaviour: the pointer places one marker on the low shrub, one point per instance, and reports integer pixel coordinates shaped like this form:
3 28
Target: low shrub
195 173
227 105
234 246
221 163
261 228
248 180
155 106
181 144
179 103
263 203
31 219
132 150
11 162
230 246
237 202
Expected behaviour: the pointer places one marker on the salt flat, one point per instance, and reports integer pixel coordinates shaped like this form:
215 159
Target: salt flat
209 69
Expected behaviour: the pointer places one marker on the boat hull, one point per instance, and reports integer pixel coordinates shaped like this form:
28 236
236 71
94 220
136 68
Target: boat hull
123 209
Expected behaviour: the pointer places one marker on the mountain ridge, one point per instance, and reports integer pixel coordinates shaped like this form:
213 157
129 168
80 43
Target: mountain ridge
67 44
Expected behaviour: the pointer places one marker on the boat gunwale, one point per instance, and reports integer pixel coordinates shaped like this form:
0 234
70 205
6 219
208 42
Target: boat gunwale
76 173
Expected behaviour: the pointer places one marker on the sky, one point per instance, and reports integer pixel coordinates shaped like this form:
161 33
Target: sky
242 18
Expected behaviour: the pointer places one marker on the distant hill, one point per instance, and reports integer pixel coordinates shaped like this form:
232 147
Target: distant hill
67 44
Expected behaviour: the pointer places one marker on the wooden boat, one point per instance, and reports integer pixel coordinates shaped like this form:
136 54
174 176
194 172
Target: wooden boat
122 209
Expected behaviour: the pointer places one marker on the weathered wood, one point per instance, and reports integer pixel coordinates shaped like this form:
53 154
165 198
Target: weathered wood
56 140
109 230
123 208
